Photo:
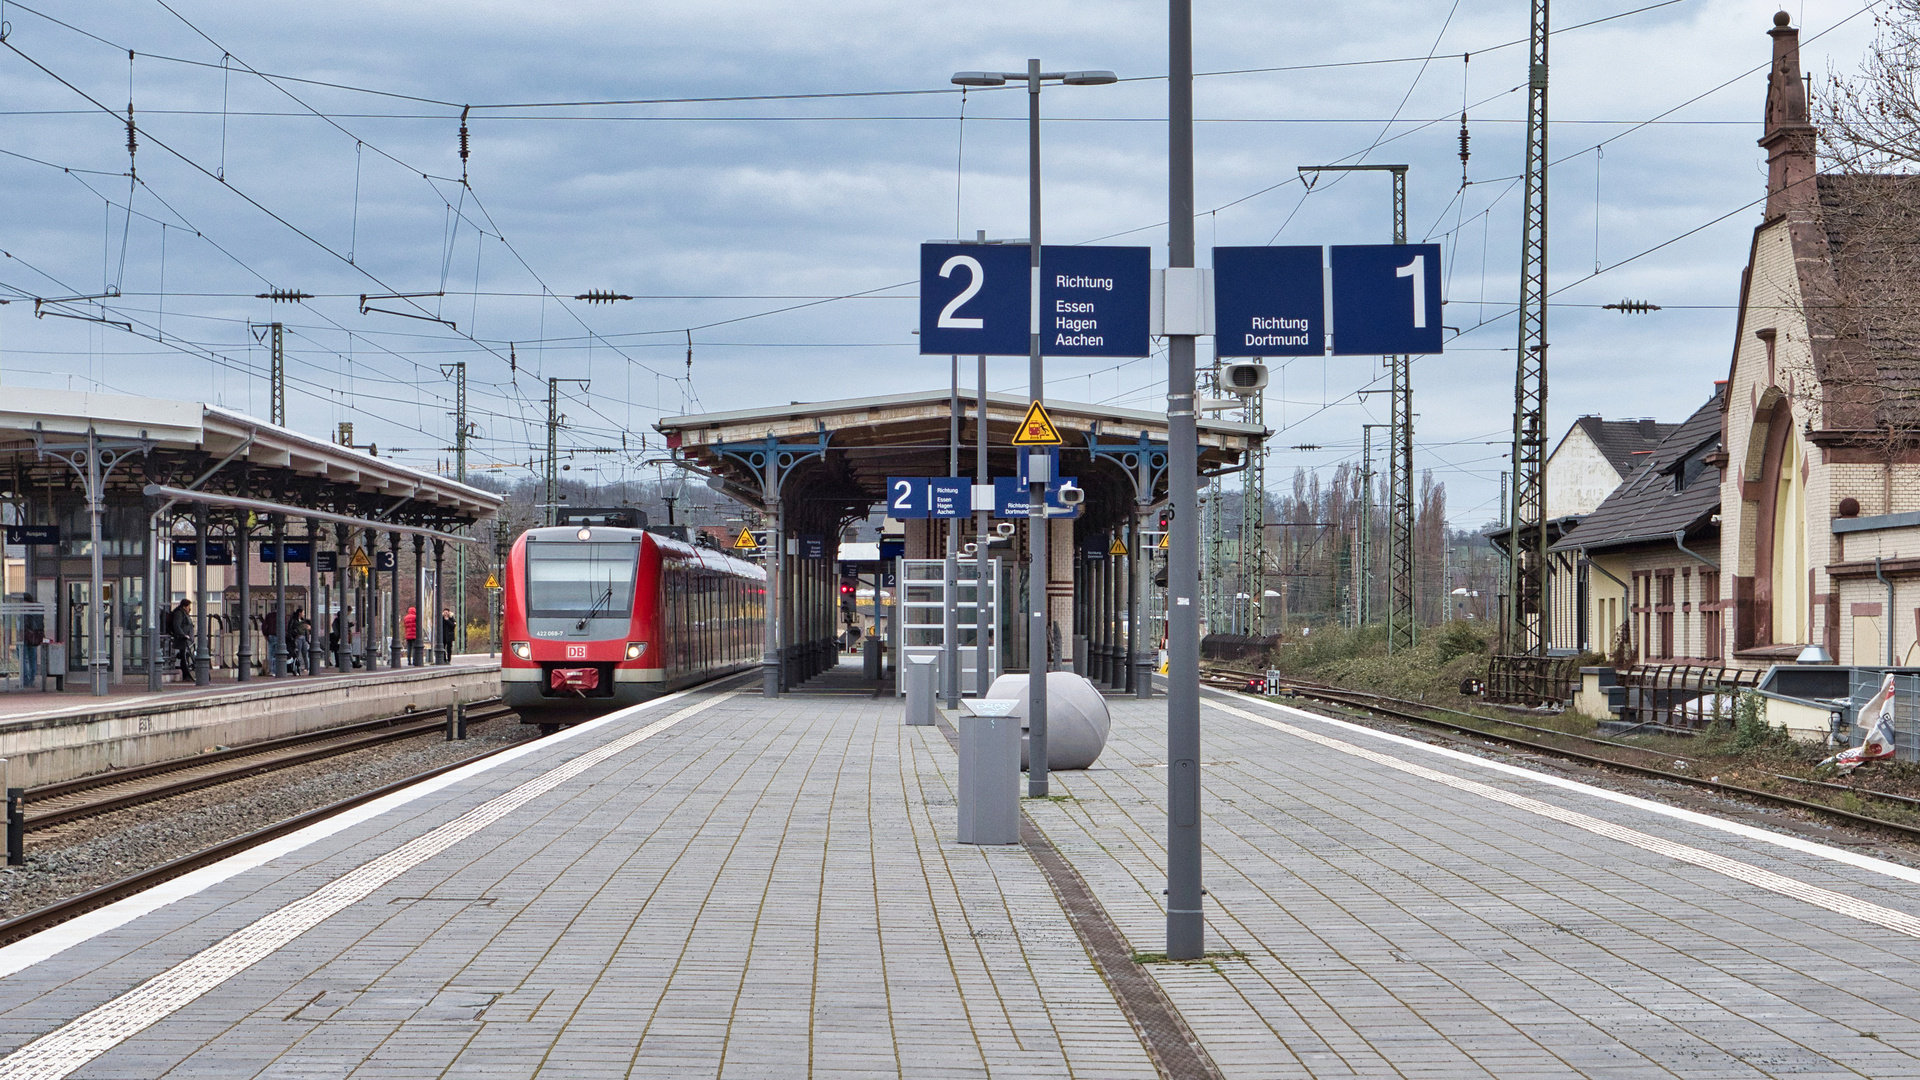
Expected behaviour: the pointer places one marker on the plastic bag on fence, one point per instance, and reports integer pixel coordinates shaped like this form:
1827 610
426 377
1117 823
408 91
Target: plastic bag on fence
1879 740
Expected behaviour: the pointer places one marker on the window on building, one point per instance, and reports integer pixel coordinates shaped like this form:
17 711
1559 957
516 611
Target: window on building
1710 624
1663 611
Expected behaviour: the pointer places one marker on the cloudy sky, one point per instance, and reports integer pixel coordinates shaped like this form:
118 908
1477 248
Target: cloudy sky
758 177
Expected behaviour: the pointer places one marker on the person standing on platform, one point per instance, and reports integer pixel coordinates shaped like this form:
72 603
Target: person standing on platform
410 626
33 634
446 635
297 630
180 630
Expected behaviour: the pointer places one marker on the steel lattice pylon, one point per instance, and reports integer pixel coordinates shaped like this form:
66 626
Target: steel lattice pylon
1402 627
1253 525
1528 628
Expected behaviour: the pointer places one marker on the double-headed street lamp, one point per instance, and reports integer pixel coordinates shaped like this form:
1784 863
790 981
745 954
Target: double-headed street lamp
1037 572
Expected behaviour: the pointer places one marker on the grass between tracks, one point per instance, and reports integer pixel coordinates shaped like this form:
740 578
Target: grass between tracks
1745 752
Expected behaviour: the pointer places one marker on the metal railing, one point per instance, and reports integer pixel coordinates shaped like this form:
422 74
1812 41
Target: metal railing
1689 697
1527 679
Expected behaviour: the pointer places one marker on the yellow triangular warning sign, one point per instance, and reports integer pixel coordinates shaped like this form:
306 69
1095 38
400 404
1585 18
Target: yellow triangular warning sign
1163 540
493 582
745 540
1037 429
1119 547
360 560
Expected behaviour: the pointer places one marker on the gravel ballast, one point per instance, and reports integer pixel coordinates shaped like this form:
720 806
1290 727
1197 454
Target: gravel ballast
70 859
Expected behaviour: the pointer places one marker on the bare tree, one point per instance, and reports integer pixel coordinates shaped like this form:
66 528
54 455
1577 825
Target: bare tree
1870 121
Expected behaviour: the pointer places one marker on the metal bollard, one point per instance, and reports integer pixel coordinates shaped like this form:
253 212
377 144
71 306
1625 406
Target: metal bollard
990 772
460 720
870 658
16 826
922 674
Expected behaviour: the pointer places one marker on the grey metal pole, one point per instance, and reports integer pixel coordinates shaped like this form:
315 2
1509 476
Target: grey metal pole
393 605
316 616
982 519
242 564
950 590
770 657
440 605
342 574
1037 573
158 576
277 648
202 658
96 613
1186 925
417 654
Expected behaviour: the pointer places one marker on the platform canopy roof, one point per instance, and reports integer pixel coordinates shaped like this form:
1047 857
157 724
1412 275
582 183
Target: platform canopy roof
267 461
871 438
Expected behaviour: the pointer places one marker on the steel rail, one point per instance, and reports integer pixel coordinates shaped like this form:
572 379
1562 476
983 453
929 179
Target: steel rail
337 741
53 914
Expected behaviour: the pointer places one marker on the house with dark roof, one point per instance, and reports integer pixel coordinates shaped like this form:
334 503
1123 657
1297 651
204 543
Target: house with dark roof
1820 499
1647 573
1594 457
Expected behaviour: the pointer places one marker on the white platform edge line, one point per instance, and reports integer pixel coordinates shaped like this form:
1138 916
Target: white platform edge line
25 953
1749 832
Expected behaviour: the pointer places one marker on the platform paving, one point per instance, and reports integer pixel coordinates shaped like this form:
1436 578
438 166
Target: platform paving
772 889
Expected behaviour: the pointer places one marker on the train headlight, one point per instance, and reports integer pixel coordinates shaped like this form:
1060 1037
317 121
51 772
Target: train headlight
522 650
636 649
585 534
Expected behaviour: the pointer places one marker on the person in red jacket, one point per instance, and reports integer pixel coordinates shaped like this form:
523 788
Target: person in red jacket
410 626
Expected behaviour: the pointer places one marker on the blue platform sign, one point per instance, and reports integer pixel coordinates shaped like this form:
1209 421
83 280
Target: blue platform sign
1010 499
1269 301
327 562
33 535
218 554
1094 301
813 546
1386 299
298 551
385 561
974 299
910 497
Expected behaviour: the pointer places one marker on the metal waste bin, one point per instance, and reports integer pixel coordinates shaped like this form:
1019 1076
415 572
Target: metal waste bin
989 771
922 675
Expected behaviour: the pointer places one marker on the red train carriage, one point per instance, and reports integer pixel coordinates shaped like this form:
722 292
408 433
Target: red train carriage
598 618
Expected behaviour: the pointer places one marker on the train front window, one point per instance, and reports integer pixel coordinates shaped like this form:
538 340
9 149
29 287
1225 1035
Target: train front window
581 581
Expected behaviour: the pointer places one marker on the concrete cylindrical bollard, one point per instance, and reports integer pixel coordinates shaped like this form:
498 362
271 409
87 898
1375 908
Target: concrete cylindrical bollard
923 677
989 773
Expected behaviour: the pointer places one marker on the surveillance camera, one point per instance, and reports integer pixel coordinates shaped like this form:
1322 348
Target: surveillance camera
1244 379
1071 495
1003 528
970 549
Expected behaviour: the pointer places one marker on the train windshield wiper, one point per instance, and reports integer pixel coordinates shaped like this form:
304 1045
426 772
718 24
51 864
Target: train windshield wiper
606 598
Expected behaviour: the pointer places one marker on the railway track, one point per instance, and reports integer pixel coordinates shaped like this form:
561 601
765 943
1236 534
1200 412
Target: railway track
60 911
55 804
1419 714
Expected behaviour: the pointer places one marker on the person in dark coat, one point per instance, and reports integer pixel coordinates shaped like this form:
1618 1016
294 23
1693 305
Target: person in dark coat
33 634
180 629
446 634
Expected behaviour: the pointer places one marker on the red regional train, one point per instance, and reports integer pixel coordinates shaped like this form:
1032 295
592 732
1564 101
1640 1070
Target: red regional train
600 617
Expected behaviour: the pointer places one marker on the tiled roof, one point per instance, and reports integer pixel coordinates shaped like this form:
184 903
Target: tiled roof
1872 226
1624 443
1673 489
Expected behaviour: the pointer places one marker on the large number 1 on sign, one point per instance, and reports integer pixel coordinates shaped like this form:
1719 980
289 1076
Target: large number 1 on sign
948 320
1417 270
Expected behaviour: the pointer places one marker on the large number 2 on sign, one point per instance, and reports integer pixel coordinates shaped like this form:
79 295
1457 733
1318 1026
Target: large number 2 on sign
903 491
949 321
1417 270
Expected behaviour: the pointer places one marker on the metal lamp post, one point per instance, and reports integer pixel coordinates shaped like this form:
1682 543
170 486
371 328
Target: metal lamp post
1037 574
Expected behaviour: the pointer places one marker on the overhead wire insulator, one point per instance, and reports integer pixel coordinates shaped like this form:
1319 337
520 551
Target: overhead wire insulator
1631 307
601 296
1465 153
291 296
463 142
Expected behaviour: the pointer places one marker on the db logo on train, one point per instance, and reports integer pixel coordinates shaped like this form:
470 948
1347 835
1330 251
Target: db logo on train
576 652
